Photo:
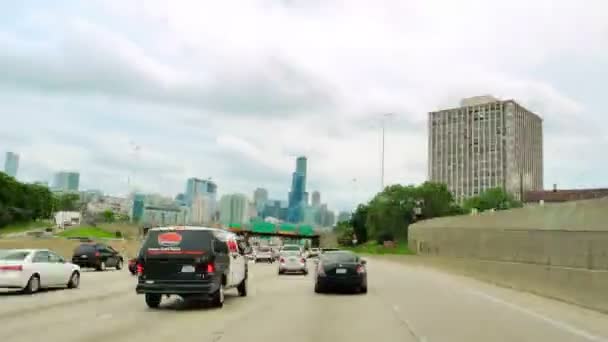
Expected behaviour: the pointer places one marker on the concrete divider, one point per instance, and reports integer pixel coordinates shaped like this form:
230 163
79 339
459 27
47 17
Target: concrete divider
587 288
559 251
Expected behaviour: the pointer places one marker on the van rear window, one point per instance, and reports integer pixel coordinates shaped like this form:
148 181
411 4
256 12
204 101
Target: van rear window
177 242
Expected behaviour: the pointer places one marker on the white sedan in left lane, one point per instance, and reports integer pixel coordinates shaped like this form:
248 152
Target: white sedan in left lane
33 269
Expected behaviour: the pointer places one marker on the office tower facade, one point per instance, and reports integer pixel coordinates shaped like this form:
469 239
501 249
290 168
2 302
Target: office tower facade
486 143
197 186
234 209
11 164
260 197
316 199
297 195
66 181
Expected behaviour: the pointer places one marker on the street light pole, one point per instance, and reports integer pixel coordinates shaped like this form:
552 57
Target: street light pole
383 130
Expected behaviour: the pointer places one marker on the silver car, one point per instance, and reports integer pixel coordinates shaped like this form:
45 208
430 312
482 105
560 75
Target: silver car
292 261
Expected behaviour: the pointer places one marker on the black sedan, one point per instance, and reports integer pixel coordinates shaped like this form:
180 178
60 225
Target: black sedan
341 270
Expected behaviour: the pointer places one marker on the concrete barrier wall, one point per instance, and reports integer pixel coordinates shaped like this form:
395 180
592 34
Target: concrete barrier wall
577 286
520 249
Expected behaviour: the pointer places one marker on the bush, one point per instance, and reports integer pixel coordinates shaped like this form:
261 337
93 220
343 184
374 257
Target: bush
118 234
385 236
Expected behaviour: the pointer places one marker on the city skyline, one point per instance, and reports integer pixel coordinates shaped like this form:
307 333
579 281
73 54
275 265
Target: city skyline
243 120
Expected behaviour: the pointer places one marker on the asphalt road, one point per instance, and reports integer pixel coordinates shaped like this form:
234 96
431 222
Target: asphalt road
404 303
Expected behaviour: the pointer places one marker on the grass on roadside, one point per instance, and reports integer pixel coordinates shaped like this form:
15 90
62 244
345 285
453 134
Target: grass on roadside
88 232
25 226
372 247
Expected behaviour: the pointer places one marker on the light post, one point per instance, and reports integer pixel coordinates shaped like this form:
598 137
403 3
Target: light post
384 117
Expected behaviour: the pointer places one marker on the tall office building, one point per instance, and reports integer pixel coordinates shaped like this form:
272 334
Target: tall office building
234 209
297 195
316 199
66 181
197 186
201 210
11 164
486 143
260 197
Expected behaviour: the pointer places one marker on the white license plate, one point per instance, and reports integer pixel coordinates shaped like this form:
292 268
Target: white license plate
187 269
341 271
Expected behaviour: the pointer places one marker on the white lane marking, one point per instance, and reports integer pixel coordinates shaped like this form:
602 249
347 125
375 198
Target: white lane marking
408 325
555 323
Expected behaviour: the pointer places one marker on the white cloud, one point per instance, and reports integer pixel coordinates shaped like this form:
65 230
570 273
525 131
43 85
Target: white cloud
236 89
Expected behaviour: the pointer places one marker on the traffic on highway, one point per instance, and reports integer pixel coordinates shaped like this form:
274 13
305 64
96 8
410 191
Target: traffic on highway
196 282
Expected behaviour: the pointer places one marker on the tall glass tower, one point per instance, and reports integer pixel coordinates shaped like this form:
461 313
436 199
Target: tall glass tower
297 195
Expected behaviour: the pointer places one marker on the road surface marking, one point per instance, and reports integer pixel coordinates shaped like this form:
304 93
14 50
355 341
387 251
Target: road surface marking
555 323
408 325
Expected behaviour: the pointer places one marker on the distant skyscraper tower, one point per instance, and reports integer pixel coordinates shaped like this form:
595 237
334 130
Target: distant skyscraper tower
233 209
316 199
486 143
297 195
197 186
66 181
260 198
11 164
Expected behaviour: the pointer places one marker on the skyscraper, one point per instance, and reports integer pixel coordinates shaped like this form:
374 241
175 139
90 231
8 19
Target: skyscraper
197 186
11 164
260 197
297 195
486 143
316 199
233 209
66 181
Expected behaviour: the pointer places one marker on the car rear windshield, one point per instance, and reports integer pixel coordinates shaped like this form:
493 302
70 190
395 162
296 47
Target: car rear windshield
291 248
176 241
264 249
84 249
340 257
13 255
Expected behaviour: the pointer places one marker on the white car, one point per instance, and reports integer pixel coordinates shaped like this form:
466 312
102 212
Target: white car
264 254
292 261
33 269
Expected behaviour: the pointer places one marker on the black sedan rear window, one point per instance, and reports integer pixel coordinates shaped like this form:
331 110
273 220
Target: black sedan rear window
84 249
340 257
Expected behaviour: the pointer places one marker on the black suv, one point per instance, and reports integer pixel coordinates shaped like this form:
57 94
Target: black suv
192 262
97 256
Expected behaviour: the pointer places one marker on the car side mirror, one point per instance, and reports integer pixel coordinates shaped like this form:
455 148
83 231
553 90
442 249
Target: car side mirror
363 262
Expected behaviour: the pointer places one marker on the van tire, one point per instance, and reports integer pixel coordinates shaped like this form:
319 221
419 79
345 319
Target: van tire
218 298
242 288
153 300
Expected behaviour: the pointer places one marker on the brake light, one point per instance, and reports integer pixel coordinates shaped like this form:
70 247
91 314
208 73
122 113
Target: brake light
303 260
210 267
11 268
360 269
97 254
282 261
140 269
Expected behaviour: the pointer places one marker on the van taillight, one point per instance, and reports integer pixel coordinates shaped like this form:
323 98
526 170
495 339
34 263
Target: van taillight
97 254
140 269
11 268
282 261
210 267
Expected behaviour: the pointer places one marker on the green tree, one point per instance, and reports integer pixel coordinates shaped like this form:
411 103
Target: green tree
358 222
67 202
108 216
22 202
494 198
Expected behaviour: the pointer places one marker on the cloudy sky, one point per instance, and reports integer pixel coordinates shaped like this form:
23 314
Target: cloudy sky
236 89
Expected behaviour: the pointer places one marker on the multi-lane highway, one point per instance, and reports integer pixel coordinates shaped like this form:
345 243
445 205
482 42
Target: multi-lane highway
404 303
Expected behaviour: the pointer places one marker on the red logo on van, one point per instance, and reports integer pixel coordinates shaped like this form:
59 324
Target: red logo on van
169 239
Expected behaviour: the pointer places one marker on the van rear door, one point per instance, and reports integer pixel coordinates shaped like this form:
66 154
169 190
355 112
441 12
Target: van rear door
177 255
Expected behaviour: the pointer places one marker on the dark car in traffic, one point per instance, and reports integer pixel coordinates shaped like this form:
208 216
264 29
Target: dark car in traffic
98 256
341 270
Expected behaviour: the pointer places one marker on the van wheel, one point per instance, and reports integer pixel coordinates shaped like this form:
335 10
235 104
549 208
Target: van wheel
318 288
218 298
153 300
242 288
74 281
119 265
